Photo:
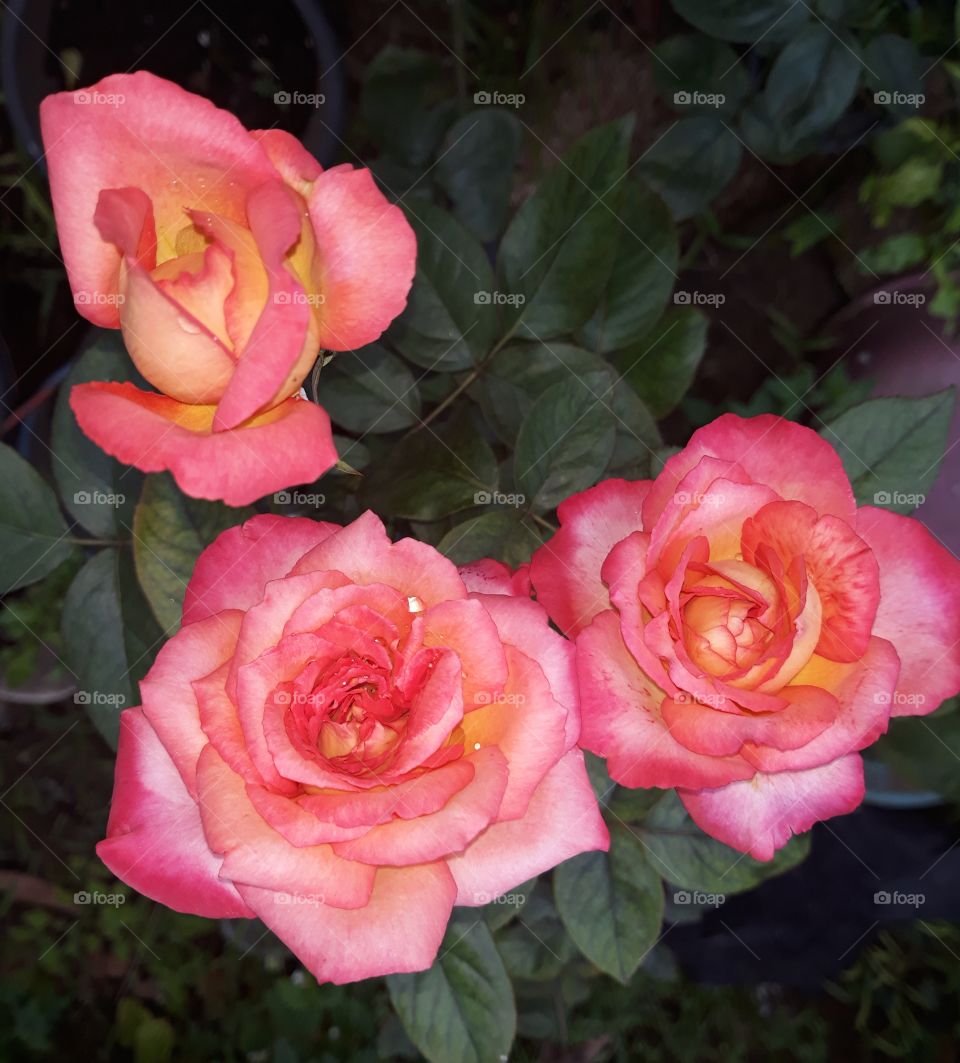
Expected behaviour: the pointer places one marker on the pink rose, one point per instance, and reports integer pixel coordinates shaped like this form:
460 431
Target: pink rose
229 259
345 742
743 629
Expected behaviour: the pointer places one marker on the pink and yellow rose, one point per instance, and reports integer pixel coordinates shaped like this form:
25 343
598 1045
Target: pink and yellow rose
346 741
229 259
743 629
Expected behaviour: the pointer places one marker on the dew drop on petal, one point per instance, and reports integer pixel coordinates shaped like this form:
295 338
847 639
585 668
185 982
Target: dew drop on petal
414 604
188 326
476 745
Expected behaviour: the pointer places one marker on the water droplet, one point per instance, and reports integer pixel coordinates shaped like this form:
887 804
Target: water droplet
476 745
188 326
414 604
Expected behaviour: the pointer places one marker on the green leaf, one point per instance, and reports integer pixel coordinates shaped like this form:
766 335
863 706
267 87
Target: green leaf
557 252
895 70
461 1010
699 75
370 390
565 441
476 167
691 164
892 448
811 84
394 104
809 229
692 860
643 273
170 532
662 365
611 904
501 534
744 21
431 474
32 529
451 317
636 436
93 643
96 490
895 254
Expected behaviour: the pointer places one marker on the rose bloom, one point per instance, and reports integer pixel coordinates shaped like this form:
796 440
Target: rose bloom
344 742
743 629
229 259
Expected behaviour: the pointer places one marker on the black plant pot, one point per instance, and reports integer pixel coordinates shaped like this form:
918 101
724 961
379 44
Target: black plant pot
210 48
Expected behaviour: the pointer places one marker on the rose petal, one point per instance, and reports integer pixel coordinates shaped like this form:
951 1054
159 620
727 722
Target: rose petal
792 460
919 591
620 719
400 930
365 259
155 841
289 444
175 146
566 570
759 816
562 820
